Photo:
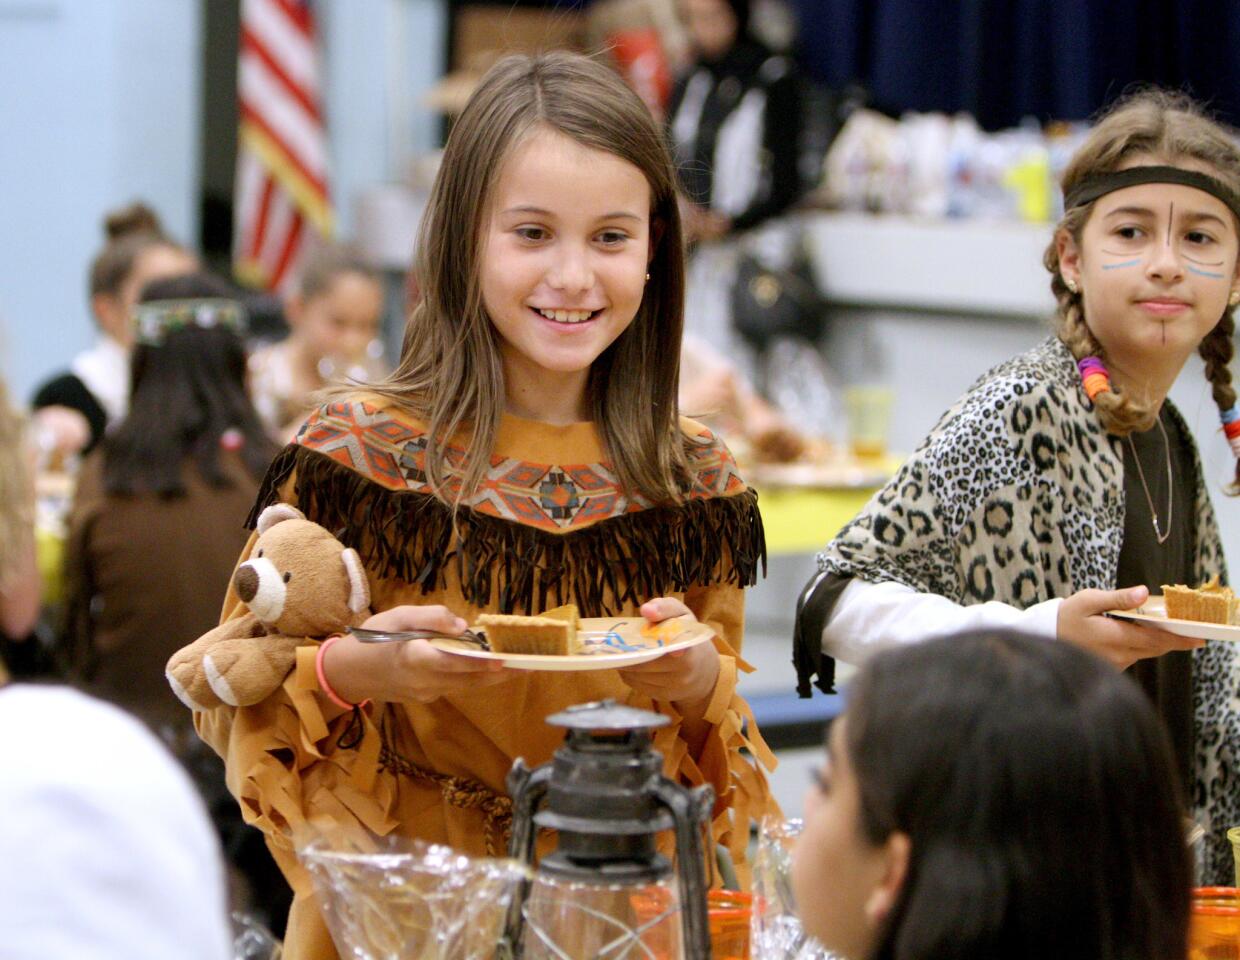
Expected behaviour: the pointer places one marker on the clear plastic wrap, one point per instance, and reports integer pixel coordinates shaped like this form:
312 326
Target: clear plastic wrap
399 899
252 940
775 929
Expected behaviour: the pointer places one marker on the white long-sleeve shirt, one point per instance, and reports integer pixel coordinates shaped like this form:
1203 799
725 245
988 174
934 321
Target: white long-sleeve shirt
871 617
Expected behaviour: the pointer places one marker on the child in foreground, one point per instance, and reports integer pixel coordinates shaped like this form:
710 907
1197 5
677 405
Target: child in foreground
993 795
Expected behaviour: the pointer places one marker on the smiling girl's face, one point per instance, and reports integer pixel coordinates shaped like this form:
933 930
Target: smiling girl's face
1155 265
565 250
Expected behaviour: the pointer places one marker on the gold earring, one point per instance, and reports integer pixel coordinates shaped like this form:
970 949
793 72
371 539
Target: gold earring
1070 284
647 277
1234 298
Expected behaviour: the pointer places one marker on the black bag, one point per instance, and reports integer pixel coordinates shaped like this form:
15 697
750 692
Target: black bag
769 303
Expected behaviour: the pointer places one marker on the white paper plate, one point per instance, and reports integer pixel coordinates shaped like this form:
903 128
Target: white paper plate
612 642
1154 612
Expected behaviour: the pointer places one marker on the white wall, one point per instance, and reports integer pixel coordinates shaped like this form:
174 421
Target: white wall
381 56
100 106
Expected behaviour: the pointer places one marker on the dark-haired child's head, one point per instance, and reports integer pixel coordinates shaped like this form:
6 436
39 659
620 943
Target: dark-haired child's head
190 364
188 390
995 796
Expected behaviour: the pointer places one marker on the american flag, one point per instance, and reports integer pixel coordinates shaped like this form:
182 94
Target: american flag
281 187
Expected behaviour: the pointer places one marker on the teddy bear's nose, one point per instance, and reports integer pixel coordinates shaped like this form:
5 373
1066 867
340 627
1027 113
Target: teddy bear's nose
246 582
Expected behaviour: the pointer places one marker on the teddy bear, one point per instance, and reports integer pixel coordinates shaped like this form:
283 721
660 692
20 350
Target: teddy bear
299 582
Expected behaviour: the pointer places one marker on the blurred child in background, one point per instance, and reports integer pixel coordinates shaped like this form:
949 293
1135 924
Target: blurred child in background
335 319
73 408
19 572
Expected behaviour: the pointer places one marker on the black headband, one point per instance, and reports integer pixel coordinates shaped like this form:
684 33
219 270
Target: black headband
1091 188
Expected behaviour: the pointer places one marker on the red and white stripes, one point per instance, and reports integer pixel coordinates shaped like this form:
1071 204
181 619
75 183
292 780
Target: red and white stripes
282 168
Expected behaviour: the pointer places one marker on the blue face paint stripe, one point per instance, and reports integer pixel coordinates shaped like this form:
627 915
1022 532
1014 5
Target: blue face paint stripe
1205 273
1116 266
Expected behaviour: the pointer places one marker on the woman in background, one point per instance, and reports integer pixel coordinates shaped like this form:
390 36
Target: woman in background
735 123
734 126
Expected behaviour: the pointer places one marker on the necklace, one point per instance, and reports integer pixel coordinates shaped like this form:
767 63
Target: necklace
1158 531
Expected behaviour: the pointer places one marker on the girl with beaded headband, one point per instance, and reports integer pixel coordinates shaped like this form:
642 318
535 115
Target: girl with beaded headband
1064 483
527 452
154 529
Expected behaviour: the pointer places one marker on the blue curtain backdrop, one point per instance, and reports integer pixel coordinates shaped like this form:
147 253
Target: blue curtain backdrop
1002 60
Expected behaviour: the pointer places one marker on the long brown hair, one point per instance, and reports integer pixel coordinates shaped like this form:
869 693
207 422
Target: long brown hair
1168 128
450 374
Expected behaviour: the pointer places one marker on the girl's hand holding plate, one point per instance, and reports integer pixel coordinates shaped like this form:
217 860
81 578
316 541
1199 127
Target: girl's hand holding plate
1120 643
409 670
683 677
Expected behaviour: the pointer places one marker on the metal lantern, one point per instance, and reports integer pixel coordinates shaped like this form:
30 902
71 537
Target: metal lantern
606 893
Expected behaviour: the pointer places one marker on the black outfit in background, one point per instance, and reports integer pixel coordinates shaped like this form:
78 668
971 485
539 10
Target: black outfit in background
67 390
747 66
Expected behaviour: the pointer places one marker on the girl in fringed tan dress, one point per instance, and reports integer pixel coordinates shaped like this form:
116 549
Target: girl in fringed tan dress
527 452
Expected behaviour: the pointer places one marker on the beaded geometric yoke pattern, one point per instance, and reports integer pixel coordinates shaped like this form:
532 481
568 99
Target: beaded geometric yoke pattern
377 443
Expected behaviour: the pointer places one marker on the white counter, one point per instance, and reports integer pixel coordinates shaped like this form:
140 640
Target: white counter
959 266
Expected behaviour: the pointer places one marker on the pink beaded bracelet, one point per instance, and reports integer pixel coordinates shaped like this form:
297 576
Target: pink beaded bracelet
326 687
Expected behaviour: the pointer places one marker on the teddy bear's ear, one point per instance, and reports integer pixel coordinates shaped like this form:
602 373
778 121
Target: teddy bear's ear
275 513
359 586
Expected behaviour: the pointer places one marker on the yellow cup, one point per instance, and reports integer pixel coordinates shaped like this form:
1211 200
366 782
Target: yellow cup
868 410
1234 836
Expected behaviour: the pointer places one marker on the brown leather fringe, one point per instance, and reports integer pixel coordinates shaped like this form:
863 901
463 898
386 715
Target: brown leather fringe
625 559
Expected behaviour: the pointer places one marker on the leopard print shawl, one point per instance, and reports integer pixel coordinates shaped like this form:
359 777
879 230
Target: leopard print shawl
1017 495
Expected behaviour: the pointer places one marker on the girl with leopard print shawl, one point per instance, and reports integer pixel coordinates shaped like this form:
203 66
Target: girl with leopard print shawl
1049 494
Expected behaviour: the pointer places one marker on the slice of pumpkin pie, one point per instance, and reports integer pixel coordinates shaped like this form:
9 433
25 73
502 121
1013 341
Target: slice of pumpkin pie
553 632
1209 603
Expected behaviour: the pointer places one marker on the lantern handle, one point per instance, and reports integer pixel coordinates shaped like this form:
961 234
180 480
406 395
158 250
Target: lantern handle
690 812
527 788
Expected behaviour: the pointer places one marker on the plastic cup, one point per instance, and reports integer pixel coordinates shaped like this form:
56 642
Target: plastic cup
730 912
868 413
403 899
1234 836
1214 927
775 929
